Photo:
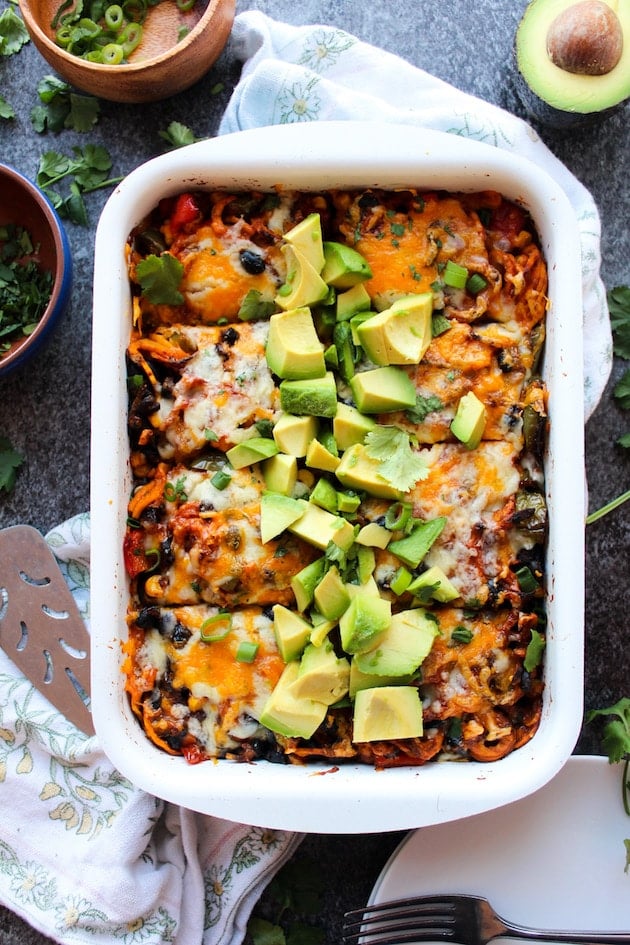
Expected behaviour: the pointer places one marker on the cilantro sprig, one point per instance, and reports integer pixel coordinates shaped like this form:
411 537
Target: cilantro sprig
401 466
616 744
619 309
177 135
87 170
13 33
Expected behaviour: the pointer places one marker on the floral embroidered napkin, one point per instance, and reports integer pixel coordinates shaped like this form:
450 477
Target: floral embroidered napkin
318 73
86 857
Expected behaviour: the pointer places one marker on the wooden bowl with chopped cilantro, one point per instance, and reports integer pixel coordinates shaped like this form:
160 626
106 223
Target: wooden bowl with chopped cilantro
129 50
35 268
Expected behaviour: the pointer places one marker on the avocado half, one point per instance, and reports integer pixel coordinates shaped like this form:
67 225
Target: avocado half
573 59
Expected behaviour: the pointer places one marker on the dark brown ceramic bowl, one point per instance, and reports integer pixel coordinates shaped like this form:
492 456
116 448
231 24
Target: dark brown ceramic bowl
162 65
23 203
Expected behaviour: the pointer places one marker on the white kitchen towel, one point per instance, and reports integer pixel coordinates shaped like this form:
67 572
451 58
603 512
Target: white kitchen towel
89 859
318 73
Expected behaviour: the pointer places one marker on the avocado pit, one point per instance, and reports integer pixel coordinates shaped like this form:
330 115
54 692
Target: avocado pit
586 39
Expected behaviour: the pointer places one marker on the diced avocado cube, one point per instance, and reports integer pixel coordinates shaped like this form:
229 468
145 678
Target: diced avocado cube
287 715
293 349
360 680
357 470
356 299
387 713
306 237
413 547
277 512
280 473
324 494
253 450
344 266
433 583
303 286
321 627
316 397
383 390
401 334
469 421
319 527
374 535
318 457
402 648
323 676
292 434
292 632
331 597
346 350
303 583
348 502
350 426
366 562
330 357
364 622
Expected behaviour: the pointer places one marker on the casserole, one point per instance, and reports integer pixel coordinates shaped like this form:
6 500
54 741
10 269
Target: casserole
349 798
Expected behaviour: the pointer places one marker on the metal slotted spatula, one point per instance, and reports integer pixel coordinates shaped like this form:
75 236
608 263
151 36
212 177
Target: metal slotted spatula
41 628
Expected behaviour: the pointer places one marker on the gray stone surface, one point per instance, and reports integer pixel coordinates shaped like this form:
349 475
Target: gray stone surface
44 408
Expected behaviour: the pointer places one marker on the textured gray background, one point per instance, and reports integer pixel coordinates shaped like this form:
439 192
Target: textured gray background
44 407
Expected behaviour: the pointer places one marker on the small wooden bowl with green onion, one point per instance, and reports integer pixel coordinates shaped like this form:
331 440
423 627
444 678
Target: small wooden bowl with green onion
133 50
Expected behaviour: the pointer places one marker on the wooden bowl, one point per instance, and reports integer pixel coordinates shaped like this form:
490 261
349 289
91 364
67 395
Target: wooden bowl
23 203
162 65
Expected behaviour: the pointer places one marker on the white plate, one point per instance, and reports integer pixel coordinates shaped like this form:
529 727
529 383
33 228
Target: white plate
553 860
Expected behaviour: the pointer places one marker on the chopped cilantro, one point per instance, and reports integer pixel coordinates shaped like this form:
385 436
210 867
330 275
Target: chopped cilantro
616 744
401 466
10 462
159 278
25 287
6 110
62 108
424 406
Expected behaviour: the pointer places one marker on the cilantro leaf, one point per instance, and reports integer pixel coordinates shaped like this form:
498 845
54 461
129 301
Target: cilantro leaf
401 466
6 110
424 406
616 734
13 33
87 170
10 462
622 391
619 308
177 135
263 932
62 108
159 278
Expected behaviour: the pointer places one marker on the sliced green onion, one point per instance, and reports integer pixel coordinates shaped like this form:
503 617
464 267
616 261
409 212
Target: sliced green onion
94 55
455 275
185 5
215 628
246 652
526 580
461 635
114 17
476 283
397 515
130 38
221 480
112 54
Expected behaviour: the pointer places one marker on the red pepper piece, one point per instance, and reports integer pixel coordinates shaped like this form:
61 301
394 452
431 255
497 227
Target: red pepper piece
185 213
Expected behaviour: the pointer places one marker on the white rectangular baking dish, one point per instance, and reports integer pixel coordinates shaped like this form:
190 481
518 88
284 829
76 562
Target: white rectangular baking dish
323 797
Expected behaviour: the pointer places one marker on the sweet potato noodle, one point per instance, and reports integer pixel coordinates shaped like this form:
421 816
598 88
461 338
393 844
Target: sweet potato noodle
210 583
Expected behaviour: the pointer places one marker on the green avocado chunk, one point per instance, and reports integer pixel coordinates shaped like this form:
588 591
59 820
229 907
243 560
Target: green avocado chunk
289 715
469 421
344 267
316 397
364 622
402 648
322 676
386 713
383 390
293 349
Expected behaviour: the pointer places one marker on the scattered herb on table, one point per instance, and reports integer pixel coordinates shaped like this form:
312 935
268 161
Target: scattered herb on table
25 286
87 170
616 744
13 33
619 308
293 895
6 110
177 136
10 462
63 108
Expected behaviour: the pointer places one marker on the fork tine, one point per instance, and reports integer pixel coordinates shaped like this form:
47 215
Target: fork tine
399 922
